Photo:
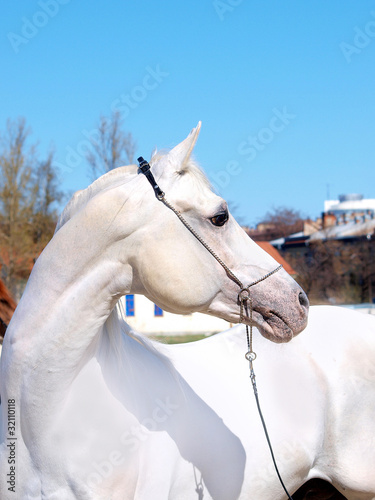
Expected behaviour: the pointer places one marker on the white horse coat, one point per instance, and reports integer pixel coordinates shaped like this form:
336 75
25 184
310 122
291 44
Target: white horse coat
98 412
193 431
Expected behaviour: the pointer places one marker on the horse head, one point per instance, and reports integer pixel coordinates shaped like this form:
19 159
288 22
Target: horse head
151 252
173 269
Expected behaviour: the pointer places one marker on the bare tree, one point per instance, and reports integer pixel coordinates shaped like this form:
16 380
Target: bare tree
361 267
112 148
16 193
281 222
23 200
46 195
321 270
336 271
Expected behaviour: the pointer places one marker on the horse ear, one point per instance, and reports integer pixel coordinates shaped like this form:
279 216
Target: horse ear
180 154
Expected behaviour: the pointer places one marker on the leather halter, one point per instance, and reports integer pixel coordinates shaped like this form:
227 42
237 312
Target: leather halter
244 297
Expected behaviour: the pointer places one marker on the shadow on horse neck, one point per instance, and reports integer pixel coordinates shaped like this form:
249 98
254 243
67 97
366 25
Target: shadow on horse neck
142 378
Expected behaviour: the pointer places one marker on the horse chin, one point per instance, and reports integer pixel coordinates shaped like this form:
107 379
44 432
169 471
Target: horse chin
274 328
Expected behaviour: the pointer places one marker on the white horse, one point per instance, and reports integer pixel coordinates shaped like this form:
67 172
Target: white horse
92 410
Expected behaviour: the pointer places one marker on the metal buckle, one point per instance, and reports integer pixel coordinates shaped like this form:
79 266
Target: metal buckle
145 168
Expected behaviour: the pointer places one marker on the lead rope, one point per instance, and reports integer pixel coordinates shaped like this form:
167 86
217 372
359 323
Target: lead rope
251 356
243 298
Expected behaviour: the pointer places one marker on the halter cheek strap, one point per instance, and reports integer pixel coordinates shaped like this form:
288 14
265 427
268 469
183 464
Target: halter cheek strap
243 298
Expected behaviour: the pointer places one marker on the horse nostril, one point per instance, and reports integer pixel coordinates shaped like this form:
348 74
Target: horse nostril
303 300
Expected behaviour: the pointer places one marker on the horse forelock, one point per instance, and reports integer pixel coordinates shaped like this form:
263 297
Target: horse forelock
191 168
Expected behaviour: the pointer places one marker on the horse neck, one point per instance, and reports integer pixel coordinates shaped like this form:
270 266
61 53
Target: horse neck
69 296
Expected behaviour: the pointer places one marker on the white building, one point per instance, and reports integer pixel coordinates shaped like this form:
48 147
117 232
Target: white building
145 317
351 207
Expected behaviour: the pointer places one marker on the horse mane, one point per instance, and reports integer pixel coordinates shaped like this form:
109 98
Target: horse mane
122 175
79 199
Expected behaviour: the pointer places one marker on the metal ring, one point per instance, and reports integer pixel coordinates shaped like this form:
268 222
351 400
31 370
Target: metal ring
250 356
243 297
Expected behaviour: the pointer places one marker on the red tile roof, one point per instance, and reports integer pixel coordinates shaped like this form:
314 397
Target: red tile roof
271 250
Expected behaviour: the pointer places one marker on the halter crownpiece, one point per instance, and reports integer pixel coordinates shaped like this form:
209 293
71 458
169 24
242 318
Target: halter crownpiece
145 168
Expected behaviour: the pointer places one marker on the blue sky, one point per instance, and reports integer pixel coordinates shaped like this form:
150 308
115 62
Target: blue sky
285 90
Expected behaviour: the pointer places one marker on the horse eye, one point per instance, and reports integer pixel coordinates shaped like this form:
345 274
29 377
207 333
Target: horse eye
220 219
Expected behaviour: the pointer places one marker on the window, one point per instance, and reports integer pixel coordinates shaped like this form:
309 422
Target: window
158 311
129 305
